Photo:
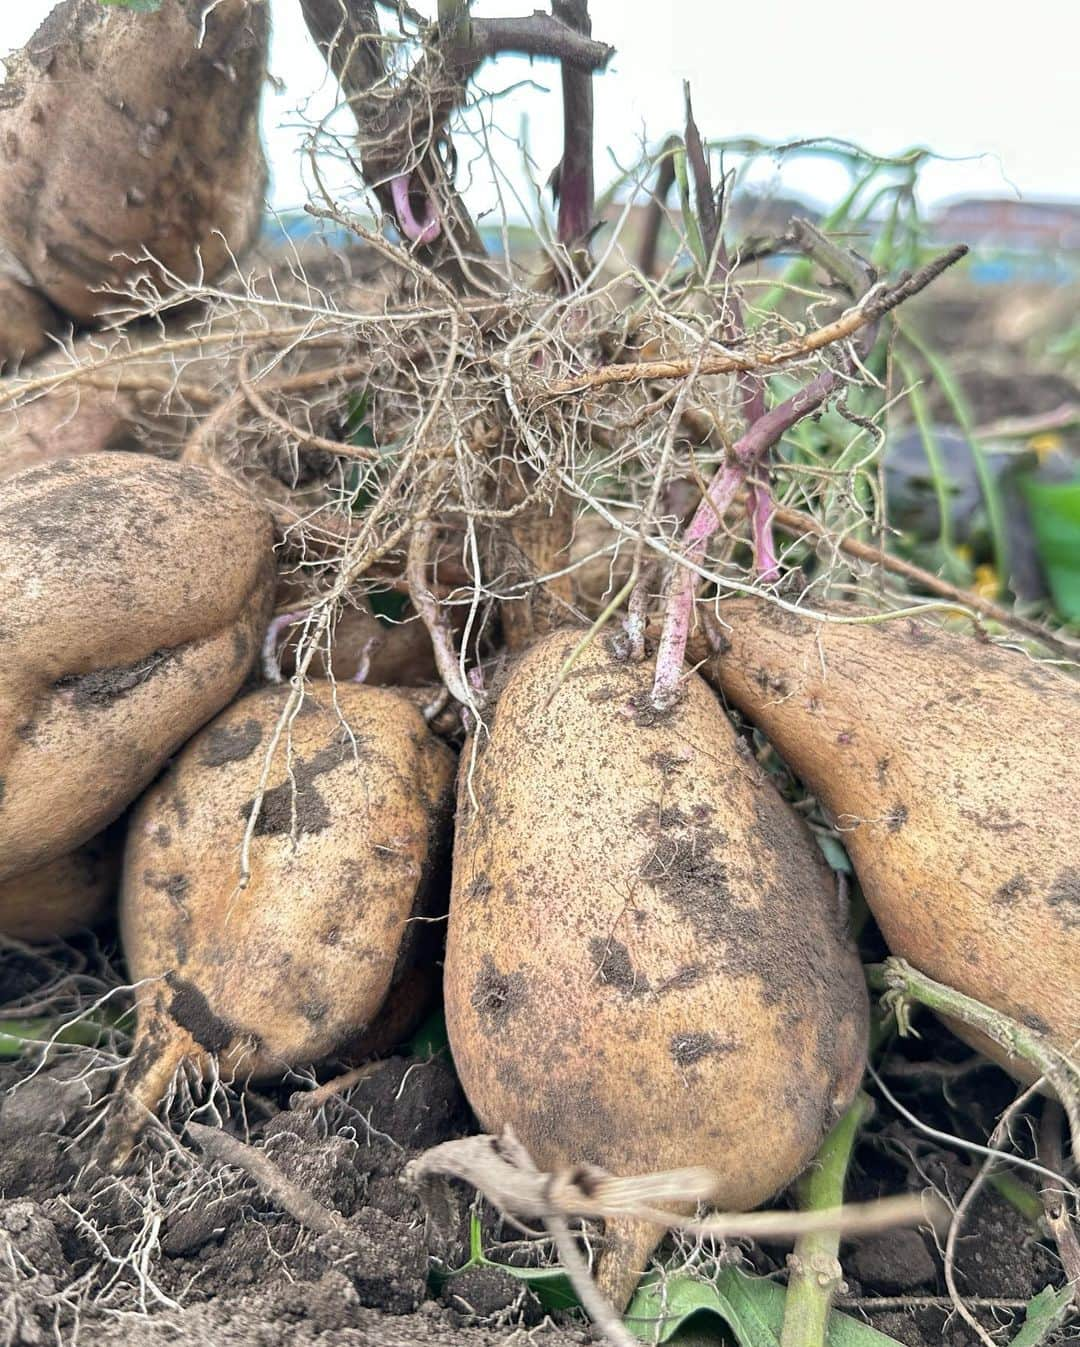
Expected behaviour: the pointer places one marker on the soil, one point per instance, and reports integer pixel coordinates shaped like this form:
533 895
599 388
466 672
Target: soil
184 1250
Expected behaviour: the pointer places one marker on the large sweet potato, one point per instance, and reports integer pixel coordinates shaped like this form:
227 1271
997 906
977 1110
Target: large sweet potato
647 965
134 594
125 136
951 769
348 850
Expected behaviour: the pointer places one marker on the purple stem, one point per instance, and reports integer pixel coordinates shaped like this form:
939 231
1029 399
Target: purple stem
721 491
271 661
410 226
576 166
760 509
751 386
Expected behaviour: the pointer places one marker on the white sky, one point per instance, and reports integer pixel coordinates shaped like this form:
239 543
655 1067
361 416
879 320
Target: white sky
997 87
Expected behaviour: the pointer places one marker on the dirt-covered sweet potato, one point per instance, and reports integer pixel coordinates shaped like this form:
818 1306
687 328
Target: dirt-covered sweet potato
103 411
647 962
125 135
951 769
64 896
26 318
134 595
347 852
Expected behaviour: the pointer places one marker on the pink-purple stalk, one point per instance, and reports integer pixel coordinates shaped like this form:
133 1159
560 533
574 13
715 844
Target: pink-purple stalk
271 660
416 231
763 430
721 491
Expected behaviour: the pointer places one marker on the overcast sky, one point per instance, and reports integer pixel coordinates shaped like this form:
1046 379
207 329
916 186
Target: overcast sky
996 90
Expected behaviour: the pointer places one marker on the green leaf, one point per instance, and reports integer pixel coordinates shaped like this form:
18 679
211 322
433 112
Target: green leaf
137 6
19 1036
431 1038
961 410
550 1285
752 1307
834 853
1055 520
1019 1195
690 221
932 450
357 426
1045 1312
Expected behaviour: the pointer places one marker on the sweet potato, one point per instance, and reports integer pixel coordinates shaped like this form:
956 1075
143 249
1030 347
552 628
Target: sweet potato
647 964
134 595
345 855
26 318
950 767
107 413
124 135
64 896
397 654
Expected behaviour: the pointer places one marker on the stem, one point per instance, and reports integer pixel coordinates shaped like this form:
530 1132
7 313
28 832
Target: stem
654 216
576 167
796 523
722 490
539 34
349 37
271 660
1055 1203
855 320
815 1273
761 509
903 984
417 231
753 445
704 201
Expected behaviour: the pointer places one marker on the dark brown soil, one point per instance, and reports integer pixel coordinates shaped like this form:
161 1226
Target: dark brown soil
183 1250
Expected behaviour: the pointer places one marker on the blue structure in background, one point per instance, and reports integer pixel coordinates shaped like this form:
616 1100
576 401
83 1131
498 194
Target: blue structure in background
1012 242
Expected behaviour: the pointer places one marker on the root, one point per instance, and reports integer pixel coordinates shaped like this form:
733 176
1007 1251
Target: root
158 1053
903 985
305 1209
502 1170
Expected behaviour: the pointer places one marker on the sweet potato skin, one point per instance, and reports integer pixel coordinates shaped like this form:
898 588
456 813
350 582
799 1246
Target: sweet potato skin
300 962
122 134
647 965
950 767
134 594
66 895
102 413
26 318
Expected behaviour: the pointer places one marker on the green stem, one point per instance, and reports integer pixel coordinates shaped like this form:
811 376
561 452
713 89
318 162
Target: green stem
902 985
815 1273
995 509
1018 1195
800 271
932 450
16 1036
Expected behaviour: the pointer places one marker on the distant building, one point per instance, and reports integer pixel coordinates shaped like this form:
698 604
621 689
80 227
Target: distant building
1009 225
